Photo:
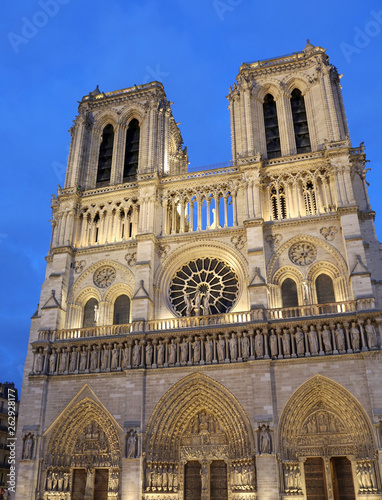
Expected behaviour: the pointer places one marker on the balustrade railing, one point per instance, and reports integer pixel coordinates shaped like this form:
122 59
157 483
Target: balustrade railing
231 318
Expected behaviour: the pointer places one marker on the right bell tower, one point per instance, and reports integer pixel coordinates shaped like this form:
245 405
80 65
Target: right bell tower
290 138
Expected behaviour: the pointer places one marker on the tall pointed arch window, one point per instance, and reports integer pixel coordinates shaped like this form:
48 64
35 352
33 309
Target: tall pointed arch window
131 151
278 202
121 314
324 289
272 134
289 293
300 122
90 313
310 198
105 155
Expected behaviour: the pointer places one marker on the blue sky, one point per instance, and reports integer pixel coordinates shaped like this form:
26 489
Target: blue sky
55 51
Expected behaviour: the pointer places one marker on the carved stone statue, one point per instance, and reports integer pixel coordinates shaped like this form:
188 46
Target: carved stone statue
286 342
188 303
125 357
221 348
273 343
265 440
313 340
233 347
105 358
73 360
300 344
96 314
149 354
340 338
327 339
209 348
354 335
371 335
136 354
52 361
39 361
115 357
196 346
49 481
83 359
66 481
259 344
206 303
28 447
184 351
64 360
94 358
245 346
172 352
131 447
160 349
197 302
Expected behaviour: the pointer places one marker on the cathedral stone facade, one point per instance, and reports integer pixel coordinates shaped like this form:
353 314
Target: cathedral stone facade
214 334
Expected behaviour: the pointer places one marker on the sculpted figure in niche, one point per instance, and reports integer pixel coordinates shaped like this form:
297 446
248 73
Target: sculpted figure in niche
371 335
259 344
209 348
28 447
94 358
54 480
131 451
175 481
188 303
60 481
96 314
233 347
184 351
73 360
136 354
64 360
327 339
245 346
115 357
125 357
340 338
105 358
300 346
221 348
170 476
160 349
354 335
83 358
265 440
66 481
52 361
196 346
39 361
286 342
172 352
49 481
273 342
313 341
149 354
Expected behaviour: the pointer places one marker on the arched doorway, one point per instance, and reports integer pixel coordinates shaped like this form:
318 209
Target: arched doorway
83 456
199 443
326 443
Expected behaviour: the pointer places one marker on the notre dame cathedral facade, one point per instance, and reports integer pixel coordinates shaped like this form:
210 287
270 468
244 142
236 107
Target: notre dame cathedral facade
215 334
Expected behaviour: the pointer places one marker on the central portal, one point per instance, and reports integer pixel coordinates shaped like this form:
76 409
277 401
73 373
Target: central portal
205 482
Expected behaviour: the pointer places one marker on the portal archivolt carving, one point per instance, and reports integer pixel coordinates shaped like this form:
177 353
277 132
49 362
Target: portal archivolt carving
324 419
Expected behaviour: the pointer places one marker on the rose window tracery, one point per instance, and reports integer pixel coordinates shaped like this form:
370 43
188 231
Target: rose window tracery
302 254
104 277
204 286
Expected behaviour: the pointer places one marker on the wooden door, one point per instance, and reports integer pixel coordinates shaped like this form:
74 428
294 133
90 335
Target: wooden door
79 483
192 481
343 484
218 485
315 479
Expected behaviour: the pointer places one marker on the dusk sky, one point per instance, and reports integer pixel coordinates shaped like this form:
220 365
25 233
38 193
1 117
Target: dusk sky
53 52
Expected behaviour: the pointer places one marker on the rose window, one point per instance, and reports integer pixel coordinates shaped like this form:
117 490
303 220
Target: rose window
204 286
104 277
302 254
